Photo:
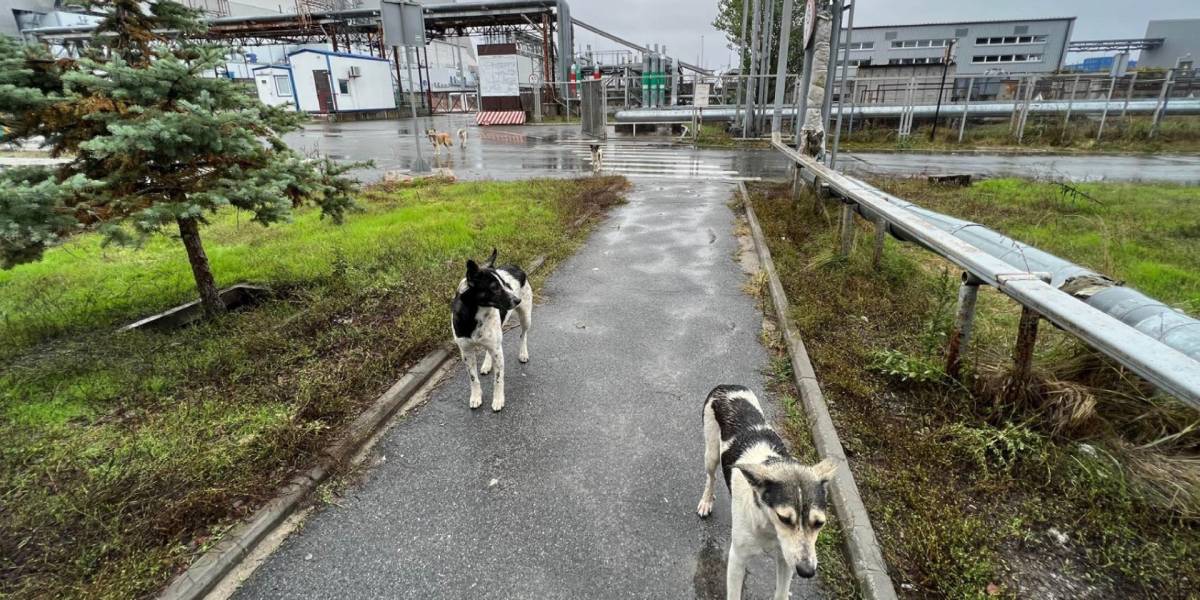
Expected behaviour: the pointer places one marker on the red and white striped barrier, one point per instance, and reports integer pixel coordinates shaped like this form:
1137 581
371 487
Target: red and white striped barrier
500 117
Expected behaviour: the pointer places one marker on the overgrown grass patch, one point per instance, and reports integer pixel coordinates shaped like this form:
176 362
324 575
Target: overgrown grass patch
126 454
973 497
1143 234
1178 134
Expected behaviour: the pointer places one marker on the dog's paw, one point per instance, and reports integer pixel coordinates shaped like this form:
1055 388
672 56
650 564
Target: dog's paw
524 358
497 404
705 507
476 401
485 370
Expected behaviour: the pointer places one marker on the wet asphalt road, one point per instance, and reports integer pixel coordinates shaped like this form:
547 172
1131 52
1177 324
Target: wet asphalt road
585 486
560 151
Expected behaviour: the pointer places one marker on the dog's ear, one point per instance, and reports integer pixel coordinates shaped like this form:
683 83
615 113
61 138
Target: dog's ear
491 262
472 268
758 475
825 470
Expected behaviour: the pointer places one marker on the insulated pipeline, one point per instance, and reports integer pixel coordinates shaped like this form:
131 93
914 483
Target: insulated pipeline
1176 106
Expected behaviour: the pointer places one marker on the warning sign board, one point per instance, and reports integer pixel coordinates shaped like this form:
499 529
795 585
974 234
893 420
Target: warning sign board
498 75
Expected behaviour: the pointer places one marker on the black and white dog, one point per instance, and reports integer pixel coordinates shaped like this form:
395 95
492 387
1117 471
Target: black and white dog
485 299
778 505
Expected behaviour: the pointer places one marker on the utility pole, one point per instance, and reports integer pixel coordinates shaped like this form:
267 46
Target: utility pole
785 34
945 66
755 53
837 131
741 70
764 66
419 165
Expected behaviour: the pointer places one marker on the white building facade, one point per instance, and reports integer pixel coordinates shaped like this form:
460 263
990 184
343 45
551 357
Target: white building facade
333 82
274 85
979 48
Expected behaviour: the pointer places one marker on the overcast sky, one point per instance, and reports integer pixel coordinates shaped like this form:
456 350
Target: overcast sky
680 23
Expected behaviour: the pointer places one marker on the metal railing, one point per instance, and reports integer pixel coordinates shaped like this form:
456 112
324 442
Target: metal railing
1164 366
966 99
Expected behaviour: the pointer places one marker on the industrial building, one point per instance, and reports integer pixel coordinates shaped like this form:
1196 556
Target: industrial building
18 15
980 47
1180 47
445 71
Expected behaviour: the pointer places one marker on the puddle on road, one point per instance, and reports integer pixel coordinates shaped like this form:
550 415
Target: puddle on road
708 582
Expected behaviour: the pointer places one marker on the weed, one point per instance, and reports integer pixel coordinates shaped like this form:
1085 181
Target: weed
906 367
997 450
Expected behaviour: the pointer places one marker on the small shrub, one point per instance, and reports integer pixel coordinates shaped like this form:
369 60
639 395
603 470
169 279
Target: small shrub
906 367
998 451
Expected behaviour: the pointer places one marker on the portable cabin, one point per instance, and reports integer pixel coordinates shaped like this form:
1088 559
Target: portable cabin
274 84
334 82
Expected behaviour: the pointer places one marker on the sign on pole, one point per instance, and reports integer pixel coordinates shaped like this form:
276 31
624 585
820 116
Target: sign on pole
403 23
700 94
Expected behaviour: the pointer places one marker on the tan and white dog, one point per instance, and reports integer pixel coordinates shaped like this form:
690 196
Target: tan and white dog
439 139
778 505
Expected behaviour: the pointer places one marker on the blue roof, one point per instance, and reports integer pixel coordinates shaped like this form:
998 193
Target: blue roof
342 54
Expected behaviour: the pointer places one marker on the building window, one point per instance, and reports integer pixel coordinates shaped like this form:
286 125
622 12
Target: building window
921 43
923 60
860 62
283 85
862 45
343 86
1006 58
1010 40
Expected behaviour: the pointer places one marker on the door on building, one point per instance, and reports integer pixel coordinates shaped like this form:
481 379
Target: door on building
324 90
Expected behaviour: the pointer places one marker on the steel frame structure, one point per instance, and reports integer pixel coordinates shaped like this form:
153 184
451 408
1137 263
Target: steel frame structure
1120 45
362 28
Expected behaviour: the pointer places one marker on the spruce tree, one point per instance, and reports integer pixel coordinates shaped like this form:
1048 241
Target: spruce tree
153 144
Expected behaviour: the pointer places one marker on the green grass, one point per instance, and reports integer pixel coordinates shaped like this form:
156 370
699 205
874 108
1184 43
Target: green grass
126 454
714 135
1147 235
1176 134
964 487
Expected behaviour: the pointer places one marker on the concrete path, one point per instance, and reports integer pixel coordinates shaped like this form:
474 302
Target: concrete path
585 486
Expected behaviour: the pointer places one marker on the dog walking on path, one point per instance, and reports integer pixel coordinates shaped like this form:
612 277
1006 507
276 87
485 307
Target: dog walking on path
778 505
486 297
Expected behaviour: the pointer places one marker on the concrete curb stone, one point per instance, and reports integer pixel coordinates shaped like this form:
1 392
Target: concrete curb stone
862 548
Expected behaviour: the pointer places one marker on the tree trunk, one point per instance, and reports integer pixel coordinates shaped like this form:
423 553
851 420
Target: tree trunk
812 138
210 299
